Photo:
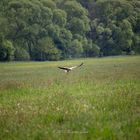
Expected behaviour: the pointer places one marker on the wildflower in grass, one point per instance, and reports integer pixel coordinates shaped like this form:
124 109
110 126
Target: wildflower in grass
7 131
85 107
18 104
66 112
58 109
93 107
30 107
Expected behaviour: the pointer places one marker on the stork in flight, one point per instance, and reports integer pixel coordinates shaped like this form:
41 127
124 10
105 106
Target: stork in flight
68 69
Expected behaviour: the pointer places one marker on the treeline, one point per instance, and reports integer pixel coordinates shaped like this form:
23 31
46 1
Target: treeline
60 29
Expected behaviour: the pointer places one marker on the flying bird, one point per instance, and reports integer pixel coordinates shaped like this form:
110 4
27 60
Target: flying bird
68 69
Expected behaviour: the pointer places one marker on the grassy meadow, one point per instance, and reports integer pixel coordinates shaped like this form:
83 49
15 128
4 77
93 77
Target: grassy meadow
98 101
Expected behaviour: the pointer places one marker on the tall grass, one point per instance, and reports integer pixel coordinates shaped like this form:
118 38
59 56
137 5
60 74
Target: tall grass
97 101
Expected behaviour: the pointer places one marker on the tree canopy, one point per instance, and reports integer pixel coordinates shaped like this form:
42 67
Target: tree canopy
60 29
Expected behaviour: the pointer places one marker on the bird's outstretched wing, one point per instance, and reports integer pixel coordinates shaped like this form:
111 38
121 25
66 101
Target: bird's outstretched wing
76 66
81 64
63 68
67 69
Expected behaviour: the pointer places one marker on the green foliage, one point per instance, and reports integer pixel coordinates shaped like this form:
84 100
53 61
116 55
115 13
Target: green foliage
137 43
49 4
21 54
59 17
126 35
6 50
76 48
90 48
47 50
113 26
77 26
74 9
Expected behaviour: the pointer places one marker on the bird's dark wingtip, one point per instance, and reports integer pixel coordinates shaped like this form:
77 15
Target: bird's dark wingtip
81 64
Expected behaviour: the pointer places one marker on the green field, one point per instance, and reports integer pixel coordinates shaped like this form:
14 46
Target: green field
98 101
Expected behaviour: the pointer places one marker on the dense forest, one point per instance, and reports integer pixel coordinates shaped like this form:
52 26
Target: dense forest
63 29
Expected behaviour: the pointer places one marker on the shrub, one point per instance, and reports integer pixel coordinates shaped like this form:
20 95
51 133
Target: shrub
21 54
